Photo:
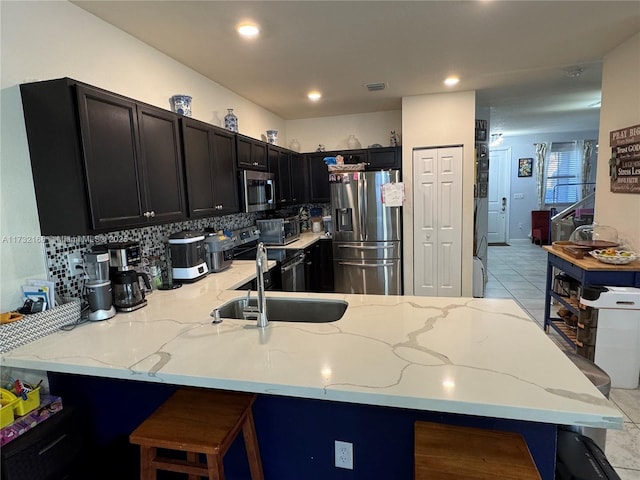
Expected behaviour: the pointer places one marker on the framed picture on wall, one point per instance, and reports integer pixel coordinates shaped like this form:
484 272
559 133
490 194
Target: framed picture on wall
525 167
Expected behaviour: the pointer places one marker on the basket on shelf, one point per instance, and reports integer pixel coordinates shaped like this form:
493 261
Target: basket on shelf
351 167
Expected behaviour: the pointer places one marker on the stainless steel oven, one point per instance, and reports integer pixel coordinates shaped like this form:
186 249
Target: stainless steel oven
258 190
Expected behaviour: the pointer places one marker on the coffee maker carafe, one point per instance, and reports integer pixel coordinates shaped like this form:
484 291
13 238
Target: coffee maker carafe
127 294
97 285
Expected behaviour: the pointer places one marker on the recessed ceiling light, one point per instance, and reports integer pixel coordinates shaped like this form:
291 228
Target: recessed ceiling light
314 96
451 81
248 30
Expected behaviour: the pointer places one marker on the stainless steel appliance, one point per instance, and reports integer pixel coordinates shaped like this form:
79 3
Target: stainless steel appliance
367 236
127 294
219 252
290 263
279 231
258 190
188 256
97 285
291 268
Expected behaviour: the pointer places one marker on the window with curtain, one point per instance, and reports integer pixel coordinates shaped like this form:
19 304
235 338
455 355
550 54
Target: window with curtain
563 174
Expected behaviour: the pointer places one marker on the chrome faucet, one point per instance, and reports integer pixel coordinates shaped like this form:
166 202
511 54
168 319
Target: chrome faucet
261 268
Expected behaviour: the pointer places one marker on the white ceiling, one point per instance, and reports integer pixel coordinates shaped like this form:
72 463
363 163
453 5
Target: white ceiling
515 54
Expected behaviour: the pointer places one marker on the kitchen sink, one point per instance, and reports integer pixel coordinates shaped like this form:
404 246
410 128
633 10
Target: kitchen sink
307 310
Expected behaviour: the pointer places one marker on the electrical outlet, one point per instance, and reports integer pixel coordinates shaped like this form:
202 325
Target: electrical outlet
518 196
344 455
75 263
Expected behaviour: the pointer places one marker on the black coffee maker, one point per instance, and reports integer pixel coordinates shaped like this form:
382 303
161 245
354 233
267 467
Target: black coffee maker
127 294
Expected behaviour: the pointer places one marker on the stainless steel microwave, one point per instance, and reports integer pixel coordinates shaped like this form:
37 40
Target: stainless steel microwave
258 190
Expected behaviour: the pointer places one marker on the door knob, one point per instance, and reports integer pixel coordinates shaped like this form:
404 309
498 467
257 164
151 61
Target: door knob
504 203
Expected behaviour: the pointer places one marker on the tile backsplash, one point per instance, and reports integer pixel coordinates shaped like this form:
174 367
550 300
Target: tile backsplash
152 241
152 246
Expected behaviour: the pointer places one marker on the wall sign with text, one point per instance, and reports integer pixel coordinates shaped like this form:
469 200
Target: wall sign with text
624 165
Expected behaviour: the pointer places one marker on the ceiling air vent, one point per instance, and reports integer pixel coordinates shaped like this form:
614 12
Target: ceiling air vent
374 87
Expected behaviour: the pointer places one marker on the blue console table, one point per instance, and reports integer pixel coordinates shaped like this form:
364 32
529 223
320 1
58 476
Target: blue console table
585 271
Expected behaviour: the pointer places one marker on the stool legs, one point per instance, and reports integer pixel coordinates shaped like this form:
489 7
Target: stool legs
147 454
251 444
197 422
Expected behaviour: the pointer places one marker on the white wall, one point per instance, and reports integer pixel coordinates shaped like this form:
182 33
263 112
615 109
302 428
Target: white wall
620 109
332 132
45 40
435 121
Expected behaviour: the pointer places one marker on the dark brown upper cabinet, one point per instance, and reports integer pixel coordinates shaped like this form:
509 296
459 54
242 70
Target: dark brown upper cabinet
290 173
251 153
101 161
319 191
209 158
384 158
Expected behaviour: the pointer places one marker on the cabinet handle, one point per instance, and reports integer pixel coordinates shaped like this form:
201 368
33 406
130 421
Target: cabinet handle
146 214
152 213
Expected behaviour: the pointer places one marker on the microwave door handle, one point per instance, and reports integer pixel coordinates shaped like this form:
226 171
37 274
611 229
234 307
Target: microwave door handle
270 191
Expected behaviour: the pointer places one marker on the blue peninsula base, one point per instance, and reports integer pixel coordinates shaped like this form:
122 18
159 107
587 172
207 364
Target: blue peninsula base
296 435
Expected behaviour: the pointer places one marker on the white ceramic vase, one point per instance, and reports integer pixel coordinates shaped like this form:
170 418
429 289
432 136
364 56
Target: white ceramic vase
353 142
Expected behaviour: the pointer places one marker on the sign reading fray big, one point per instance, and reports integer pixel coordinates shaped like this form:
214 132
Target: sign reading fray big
624 165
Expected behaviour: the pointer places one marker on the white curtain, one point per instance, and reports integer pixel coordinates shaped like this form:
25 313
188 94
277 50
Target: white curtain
541 152
587 159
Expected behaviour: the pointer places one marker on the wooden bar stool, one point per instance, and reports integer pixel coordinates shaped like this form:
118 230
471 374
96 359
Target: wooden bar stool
197 421
448 452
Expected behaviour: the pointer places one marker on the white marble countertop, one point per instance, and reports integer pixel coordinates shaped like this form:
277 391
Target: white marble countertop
458 355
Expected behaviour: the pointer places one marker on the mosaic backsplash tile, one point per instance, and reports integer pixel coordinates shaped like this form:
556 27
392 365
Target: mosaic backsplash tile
152 241
152 246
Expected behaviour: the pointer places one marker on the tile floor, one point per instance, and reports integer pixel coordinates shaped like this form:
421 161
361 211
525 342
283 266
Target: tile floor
518 271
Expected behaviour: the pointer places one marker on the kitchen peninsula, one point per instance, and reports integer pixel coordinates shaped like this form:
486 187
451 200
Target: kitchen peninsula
390 360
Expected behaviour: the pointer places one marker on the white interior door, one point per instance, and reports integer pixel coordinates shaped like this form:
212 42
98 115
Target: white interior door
498 195
437 221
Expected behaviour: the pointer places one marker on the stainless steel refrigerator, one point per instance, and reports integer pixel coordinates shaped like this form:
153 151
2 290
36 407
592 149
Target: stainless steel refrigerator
367 238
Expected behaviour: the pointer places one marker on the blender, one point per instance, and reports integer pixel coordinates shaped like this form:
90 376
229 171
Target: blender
97 285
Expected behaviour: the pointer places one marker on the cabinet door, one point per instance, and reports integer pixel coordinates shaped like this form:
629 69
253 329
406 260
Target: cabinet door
243 152
209 158
108 126
279 164
299 178
351 157
199 168
162 164
319 191
325 258
383 158
259 155
251 153
225 183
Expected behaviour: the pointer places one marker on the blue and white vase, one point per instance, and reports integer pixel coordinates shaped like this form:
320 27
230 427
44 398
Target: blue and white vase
272 137
181 104
231 121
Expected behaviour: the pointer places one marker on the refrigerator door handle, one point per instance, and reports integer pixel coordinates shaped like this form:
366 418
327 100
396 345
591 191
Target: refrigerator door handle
367 265
363 208
356 247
